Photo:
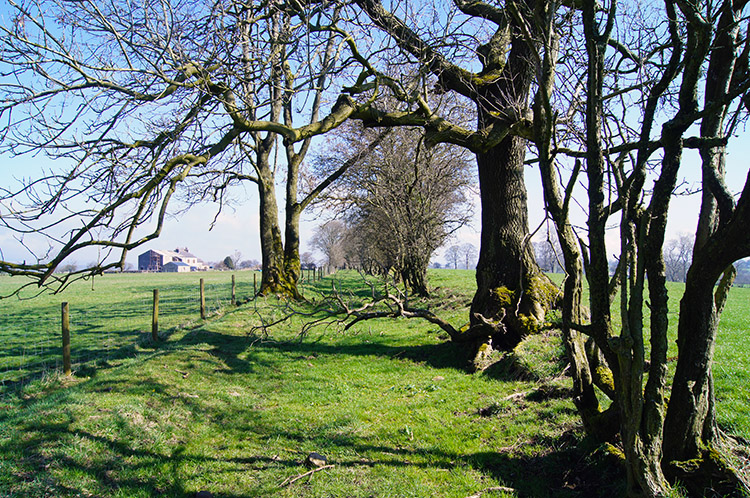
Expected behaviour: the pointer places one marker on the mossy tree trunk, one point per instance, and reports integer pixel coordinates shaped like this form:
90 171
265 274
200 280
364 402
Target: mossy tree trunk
689 424
510 286
293 210
650 438
721 238
512 292
692 443
691 439
281 261
414 274
275 278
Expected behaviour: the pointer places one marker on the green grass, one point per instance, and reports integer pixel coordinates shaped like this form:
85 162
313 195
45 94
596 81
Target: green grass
107 316
732 364
218 405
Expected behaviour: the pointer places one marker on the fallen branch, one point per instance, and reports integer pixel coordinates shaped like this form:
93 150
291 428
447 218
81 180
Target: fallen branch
289 481
335 310
501 489
398 307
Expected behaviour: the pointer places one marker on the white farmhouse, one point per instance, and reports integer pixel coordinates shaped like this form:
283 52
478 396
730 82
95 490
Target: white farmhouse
157 260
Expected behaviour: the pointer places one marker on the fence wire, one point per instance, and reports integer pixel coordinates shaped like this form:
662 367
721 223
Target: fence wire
104 324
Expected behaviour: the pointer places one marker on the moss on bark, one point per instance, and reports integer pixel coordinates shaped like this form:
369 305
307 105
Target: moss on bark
522 312
712 474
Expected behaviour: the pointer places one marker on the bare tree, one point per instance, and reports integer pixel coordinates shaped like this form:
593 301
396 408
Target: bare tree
236 258
743 272
478 52
401 202
329 239
624 177
549 254
453 256
469 252
677 257
251 264
139 103
307 260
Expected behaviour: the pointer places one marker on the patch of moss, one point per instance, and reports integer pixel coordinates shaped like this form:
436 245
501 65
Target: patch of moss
503 296
613 452
604 379
538 357
541 289
711 470
483 357
529 324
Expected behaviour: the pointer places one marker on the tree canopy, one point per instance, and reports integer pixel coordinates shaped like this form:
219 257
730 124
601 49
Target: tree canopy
138 103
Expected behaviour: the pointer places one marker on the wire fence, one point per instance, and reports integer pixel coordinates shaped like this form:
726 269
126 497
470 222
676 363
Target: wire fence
112 318
109 321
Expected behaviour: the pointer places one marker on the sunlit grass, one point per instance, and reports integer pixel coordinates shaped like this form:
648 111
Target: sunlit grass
219 405
108 316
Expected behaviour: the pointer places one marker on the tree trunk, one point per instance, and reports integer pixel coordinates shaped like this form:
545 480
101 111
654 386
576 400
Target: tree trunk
292 211
511 288
414 274
292 265
689 402
274 277
721 238
510 285
692 445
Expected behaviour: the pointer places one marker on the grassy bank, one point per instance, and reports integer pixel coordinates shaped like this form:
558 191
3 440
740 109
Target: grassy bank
218 405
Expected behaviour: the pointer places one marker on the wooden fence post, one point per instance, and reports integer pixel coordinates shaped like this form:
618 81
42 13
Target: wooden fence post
234 296
66 339
155 317
255 284
203 301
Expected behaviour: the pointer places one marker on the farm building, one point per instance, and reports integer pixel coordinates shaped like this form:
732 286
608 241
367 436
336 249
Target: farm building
156 260
176 267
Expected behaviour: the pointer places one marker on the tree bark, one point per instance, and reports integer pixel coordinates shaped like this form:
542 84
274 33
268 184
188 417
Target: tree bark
293 209
274 277
721 238
511 287
414 274
689 402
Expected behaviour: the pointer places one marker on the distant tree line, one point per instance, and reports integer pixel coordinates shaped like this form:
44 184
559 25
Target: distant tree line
395 207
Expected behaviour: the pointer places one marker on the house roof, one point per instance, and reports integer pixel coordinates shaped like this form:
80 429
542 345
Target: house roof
184 252
176 263
178 253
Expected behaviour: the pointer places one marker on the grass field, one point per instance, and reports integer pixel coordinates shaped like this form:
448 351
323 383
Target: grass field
108 316
219 407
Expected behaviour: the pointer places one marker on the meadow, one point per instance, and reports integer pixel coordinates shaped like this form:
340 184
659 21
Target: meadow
225 406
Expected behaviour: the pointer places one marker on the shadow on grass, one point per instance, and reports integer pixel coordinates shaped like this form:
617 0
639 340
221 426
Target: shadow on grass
128 463
125 464
228 347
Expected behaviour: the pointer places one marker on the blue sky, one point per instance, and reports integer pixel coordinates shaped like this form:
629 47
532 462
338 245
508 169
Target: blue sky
236 228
